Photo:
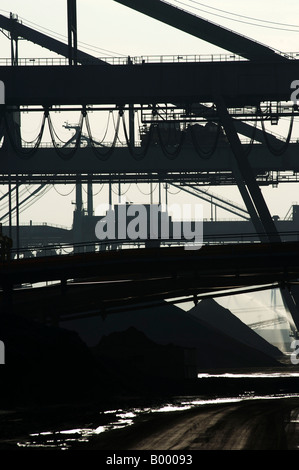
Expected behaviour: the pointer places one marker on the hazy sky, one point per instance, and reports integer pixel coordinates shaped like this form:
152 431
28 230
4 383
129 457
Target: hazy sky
110 29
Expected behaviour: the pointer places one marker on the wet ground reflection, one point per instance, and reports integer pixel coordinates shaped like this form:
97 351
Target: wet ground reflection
119 418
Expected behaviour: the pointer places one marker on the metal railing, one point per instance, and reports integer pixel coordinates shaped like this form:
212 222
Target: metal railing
138 60
68 248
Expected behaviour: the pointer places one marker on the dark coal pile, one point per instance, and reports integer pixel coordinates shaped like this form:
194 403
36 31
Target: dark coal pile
171 325
142 366
212 314
46 364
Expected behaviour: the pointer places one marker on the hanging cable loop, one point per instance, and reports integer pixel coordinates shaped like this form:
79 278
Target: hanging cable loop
205 155
24 154
137 155
102 155
275 151
122 193
70 153
252 139
178 147
62 194
150 192
93 193
106 130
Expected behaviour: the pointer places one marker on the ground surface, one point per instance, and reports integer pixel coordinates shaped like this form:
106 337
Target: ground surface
258 425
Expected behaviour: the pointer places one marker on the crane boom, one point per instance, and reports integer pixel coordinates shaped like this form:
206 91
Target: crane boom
204 29
43 40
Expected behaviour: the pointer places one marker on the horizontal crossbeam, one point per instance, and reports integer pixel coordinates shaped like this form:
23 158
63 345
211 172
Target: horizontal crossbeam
239 83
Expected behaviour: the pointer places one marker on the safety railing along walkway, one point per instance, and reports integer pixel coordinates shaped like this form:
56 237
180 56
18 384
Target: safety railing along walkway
137 60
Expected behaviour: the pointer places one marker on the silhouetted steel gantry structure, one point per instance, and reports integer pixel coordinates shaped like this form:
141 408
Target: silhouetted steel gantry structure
231 94
264 76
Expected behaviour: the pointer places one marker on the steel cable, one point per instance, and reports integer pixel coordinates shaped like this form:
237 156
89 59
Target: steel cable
137 155
281 151
202 153
102 155
65 155
25 154
167 153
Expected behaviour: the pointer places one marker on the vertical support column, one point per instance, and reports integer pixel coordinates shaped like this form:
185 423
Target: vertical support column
166 194
254 200
119 192
132 125
151 192
89 199
248 186
110 194
14 41
78 213
14 48
72 31
10 207
14 115
89 223
131 117
79 202
17 219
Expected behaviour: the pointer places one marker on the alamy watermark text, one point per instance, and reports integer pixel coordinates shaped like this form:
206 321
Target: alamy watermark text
128 221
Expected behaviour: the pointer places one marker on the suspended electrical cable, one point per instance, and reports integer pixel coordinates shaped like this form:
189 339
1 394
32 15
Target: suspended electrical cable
64 142
100 49
205 155
174 193
23 202
93 193
4 195
249 147
21 194
99 143
150 192
32 201
27 190
137 155
115 127
122 193
38 193
243 16
60 36
174 154
62 154
233 19
107 127
31 142
24 154
275 151
102 155
60 194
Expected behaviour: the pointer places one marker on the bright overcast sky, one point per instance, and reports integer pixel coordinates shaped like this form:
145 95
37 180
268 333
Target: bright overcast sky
111 29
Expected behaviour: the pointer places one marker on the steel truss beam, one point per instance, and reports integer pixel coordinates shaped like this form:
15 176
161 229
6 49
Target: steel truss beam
22 31
121 161
240 83
203 29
